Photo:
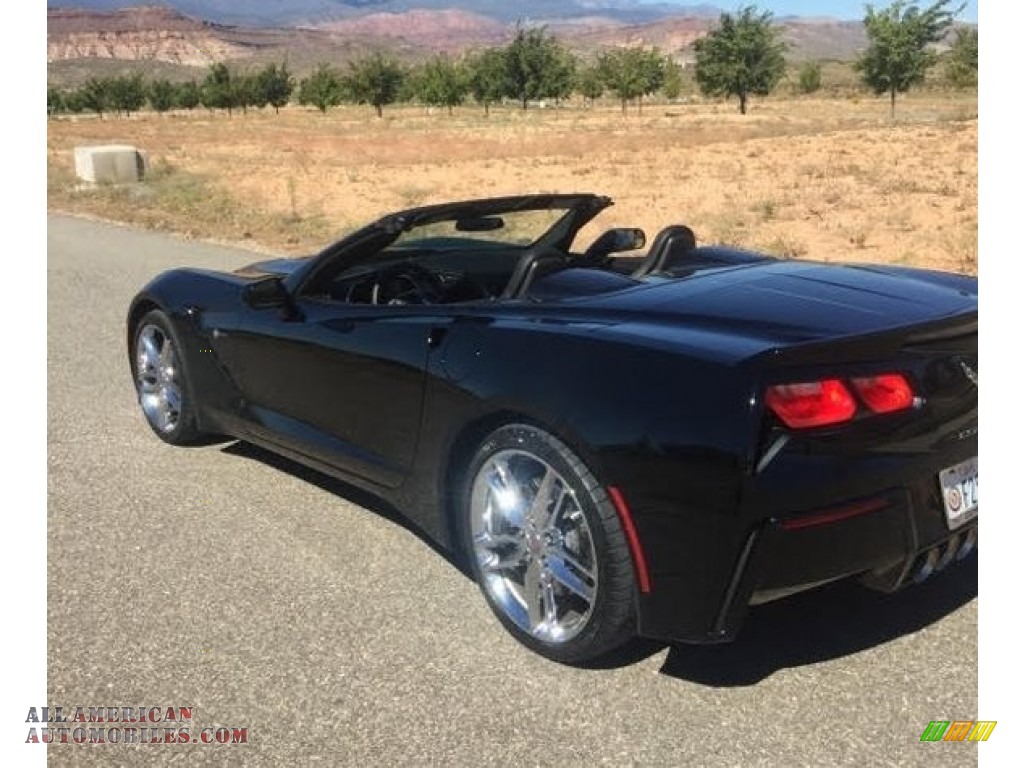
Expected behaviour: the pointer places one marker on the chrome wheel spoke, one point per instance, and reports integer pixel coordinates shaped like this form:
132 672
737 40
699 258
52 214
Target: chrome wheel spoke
532 596
547 589
494 540
172 398
167 354
540 511
564 575
149 348
571 560
504 562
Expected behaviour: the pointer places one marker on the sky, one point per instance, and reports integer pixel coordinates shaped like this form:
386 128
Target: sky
843 9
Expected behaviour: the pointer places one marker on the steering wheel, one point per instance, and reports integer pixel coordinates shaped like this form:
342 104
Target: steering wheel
407 283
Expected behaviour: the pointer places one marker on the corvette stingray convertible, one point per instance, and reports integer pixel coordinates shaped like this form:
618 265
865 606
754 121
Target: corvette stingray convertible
619 438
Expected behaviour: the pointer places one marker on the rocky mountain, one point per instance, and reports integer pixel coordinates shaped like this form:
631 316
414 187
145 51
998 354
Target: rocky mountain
318 12
78 40
138 34
448 29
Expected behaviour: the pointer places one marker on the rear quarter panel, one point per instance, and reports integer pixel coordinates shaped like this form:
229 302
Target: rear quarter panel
674 432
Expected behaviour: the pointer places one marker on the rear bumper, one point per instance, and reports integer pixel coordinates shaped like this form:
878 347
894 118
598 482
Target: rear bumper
891 536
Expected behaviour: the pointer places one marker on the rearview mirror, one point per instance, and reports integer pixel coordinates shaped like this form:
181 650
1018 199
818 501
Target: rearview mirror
628 239
266 293
615 241
480 224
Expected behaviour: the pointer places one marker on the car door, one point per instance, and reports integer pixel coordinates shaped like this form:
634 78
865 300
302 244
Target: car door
340 382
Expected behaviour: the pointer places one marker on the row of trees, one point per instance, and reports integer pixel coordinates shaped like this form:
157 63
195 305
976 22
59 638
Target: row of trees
222 89
742 57
533 67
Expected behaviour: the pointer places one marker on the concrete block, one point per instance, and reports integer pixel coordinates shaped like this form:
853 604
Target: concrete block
111 164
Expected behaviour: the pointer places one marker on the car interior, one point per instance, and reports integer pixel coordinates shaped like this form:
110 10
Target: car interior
469 271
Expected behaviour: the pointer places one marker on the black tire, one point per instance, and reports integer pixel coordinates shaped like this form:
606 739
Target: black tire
593 627
175 424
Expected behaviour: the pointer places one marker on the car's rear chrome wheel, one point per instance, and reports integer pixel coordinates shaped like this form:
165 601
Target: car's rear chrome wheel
533 545
546 546
160 380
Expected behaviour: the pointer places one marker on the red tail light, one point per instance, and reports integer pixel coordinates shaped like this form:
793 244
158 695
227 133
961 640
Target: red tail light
886 393
812 403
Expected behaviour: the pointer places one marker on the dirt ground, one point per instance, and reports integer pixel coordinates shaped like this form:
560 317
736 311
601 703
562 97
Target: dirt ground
833 180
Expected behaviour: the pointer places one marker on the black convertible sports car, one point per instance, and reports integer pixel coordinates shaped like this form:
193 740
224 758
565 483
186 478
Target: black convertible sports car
618 445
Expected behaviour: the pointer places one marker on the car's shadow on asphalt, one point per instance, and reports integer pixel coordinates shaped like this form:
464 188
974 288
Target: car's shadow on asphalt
825 623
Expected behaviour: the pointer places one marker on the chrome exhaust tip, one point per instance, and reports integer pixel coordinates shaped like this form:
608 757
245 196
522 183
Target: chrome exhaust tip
928 567
970 542
950 552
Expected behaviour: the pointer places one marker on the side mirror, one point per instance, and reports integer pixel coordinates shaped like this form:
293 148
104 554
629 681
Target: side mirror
266 293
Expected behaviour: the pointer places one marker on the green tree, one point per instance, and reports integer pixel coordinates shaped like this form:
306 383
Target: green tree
442 83
247 92
899 38
162 95
652 74
962 65
94 96
632 73
809 78
74 101
487 77
589 83
322 89
561 78
187 95
219 90
55 102
375 80
537 66
741 57
127 93
275 85
672 82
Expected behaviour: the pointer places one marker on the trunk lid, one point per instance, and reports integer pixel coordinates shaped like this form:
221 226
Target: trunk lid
799 302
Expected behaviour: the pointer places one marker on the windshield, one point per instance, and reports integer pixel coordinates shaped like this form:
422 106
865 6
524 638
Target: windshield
510 228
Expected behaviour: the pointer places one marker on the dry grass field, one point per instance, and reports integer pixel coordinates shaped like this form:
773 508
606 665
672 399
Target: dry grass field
819 179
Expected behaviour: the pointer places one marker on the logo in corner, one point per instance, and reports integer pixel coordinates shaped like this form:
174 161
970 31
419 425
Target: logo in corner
958 730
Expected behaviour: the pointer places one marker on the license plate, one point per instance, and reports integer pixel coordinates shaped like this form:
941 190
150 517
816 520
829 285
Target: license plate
959 486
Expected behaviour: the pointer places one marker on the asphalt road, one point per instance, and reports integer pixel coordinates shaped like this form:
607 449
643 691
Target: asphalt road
271 598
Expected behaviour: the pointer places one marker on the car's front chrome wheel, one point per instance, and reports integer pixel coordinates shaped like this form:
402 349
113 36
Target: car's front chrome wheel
158 367
533 545
157 378
546 545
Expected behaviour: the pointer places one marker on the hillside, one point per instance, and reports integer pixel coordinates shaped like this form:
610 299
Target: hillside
448 29
78 40
290 13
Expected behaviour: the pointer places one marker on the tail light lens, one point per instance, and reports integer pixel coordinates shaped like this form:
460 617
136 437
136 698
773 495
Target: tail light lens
830 401
812 403
886 393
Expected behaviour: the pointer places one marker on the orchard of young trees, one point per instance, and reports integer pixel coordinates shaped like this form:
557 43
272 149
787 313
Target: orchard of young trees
742 56
534 67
